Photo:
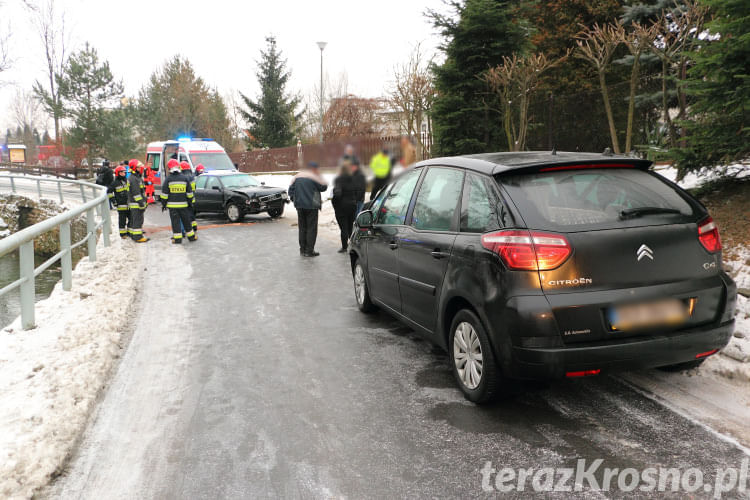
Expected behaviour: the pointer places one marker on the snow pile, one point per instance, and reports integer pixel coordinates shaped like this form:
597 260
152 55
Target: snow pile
696 179
734 360
50 376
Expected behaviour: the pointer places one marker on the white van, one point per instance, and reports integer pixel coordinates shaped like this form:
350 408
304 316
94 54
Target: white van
206 152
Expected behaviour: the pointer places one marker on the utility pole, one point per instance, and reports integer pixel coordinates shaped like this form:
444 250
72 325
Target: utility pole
321 46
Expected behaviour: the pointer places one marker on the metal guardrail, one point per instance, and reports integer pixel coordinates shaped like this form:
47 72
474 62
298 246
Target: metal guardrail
97 203
68 172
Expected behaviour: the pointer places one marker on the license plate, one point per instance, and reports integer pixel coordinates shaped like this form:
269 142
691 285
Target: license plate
643 315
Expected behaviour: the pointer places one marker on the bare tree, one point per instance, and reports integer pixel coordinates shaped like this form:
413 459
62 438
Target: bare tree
351 116
412 93
335 88
638 40
597 46
26 110
514 82
51 26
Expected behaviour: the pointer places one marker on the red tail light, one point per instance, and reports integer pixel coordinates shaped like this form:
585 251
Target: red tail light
706 354
708 234
528 250
582 373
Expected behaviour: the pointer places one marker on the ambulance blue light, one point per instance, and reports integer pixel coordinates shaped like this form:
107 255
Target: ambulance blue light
184 139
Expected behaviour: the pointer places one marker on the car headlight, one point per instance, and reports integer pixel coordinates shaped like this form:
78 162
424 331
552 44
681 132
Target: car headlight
284 196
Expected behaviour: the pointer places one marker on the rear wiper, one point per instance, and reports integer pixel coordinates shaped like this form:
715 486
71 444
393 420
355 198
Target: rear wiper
639 211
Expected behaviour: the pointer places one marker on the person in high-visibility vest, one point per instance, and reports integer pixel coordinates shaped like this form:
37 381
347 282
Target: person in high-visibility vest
118 195
380 164
136 201
177 196
187 172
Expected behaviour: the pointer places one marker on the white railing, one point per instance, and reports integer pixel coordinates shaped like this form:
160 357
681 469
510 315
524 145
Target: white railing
93 200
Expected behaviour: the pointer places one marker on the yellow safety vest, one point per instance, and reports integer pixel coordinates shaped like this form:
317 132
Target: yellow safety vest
380 165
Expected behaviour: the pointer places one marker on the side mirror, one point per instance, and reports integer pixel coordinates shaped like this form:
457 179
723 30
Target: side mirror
217 188
365 219
262 183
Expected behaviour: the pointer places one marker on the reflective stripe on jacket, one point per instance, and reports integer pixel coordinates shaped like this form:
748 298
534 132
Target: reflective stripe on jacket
136 191
176 191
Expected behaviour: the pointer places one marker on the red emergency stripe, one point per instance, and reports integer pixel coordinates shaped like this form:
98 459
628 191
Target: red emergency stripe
208 151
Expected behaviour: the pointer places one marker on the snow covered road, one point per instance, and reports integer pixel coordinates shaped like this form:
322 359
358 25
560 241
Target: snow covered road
251 374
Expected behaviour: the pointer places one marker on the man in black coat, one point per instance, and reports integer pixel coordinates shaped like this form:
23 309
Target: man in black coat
359 184
305 193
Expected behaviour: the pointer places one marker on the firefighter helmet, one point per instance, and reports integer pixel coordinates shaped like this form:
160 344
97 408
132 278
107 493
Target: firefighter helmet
120 169
184 165
200 168
133 164
173 165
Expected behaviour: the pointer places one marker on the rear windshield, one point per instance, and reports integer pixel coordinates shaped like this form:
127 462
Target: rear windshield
574 200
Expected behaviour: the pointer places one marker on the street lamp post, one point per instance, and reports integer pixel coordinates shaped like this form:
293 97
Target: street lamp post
321 46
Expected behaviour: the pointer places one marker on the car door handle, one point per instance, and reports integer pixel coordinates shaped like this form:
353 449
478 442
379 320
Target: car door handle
393 245
438 254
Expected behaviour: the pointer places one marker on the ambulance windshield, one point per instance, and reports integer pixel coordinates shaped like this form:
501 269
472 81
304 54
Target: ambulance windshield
212 161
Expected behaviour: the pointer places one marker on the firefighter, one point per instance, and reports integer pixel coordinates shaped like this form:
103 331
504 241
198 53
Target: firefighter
149 180
187 172
118 195
136 201
177 196
199 169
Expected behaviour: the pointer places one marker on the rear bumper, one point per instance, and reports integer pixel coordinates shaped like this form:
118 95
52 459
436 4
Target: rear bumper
626 354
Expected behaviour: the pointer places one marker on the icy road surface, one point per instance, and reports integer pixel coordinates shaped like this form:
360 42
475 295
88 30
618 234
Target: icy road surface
251 374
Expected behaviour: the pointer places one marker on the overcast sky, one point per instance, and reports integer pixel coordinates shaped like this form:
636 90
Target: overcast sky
222 39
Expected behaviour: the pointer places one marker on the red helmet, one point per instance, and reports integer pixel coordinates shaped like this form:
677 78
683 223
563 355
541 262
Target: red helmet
184 165
132 164
173 165
200 168
120 169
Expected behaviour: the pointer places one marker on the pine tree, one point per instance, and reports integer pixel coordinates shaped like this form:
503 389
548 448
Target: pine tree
464 113
88 87
273 118
177 102
718 131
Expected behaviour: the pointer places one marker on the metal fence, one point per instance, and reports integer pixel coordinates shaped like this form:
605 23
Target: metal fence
326 154
93 201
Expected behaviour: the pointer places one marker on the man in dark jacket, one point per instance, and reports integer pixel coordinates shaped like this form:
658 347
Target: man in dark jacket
344 203
105 177
136 202
118 196
305 193
359 183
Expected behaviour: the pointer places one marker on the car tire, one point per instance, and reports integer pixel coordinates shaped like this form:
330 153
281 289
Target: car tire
687 365
361 290
469 342
233 211
275 213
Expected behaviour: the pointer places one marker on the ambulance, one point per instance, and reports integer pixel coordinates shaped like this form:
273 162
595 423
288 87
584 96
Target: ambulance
195 151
